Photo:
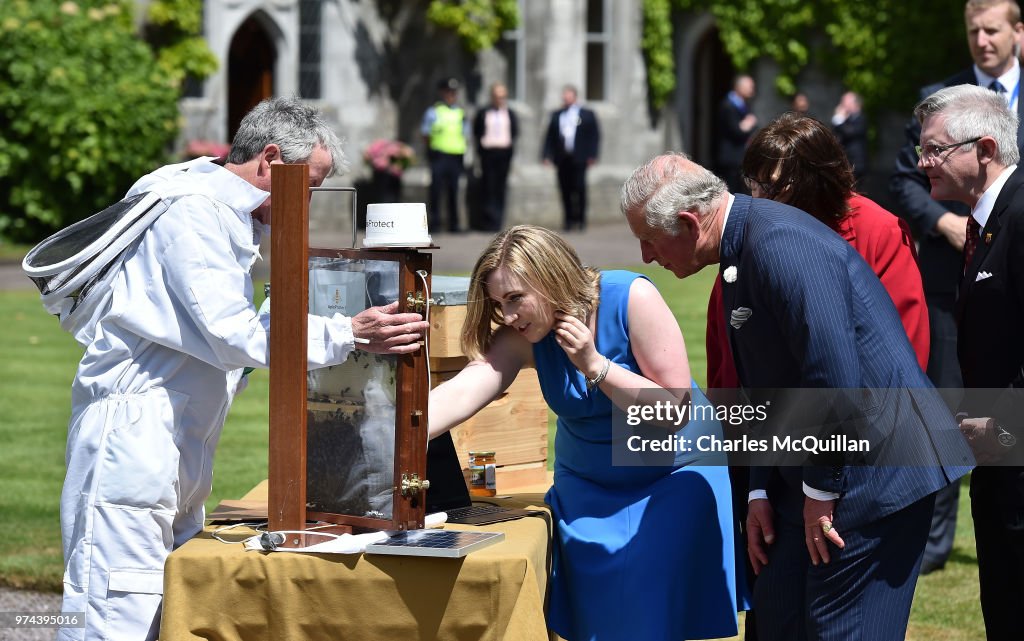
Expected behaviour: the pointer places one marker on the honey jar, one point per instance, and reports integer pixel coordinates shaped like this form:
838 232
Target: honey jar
482 476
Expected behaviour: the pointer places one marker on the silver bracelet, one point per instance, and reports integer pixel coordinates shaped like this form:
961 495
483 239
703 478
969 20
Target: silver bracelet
594 382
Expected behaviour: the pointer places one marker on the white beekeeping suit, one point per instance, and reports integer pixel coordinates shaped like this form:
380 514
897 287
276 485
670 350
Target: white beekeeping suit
164 350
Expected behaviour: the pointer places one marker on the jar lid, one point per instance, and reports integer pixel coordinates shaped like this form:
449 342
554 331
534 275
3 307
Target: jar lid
482 453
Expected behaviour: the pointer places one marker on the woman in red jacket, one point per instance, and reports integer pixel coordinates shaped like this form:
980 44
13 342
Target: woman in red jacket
798 161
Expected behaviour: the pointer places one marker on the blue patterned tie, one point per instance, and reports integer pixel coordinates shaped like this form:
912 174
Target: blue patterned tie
998 87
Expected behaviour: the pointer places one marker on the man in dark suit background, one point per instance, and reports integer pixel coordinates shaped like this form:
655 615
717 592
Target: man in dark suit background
805 311
572 144
851 128
969 153
495 129
993 27
736 124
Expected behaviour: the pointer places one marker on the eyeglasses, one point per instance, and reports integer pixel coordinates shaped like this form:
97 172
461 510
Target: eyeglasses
751 183
931 152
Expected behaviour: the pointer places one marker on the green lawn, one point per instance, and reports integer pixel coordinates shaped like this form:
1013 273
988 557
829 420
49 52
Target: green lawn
12 252
39 363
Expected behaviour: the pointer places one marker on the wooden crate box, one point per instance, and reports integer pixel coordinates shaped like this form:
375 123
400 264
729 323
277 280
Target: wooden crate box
514 425
445 330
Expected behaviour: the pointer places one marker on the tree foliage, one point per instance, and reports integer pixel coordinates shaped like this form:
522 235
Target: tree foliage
872 46
478 23
85 108
174 31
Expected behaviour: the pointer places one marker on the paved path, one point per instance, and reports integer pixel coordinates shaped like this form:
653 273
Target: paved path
609 245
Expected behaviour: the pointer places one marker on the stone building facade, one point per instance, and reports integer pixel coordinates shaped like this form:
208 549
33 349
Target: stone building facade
373 67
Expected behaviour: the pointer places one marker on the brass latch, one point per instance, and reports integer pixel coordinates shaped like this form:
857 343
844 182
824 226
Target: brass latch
411 484
416 303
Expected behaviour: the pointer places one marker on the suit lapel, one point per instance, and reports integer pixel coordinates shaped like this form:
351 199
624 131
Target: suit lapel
988 236
729 256
1020 116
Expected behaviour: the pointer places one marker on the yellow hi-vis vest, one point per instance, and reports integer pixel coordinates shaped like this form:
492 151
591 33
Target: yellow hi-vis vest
446 134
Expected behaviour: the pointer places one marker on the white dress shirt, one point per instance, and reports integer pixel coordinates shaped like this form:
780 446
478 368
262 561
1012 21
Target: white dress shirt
567 122
1009 80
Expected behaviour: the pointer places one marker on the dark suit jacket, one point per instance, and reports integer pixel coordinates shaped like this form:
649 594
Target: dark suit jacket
990 340
585 145
941 264
820 318
853 135
480 125
732 141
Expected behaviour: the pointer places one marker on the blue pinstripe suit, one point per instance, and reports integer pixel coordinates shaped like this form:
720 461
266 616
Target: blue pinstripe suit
820 318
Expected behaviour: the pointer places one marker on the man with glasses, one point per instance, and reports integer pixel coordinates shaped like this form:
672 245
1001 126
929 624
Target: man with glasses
969 153
940 226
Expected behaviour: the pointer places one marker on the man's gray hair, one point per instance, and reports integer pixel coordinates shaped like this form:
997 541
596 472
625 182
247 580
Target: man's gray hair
972 112
291 125
661 188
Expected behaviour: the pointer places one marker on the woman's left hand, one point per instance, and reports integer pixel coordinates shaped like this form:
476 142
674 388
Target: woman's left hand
577 340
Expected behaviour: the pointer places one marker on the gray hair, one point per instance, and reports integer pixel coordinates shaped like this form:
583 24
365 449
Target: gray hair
972 112
662 187
291 125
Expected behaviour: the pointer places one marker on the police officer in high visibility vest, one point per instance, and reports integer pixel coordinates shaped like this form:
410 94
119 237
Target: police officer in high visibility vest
445 131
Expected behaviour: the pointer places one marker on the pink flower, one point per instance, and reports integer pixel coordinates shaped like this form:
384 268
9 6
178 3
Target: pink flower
391 156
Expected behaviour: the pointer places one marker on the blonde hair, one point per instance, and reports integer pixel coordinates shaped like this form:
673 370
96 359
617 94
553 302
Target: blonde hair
538 257
977 6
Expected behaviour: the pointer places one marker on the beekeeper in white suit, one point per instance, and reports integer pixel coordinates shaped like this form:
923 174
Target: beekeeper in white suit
165 348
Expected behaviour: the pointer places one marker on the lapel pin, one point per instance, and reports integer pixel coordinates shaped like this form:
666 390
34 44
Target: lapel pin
988 238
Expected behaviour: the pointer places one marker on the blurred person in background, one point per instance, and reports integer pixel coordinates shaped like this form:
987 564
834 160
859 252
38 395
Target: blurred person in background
445 131
736 125
851 128
800 104
572 144
495 129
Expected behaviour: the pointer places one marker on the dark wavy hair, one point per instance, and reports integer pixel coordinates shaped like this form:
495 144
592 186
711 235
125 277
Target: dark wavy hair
797 160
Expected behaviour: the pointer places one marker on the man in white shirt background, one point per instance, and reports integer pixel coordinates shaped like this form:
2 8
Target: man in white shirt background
572 144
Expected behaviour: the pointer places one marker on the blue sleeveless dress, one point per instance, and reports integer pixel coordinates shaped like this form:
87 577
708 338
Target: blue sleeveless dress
639 552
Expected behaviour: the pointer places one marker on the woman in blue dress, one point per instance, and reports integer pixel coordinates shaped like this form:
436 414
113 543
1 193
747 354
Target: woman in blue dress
642 551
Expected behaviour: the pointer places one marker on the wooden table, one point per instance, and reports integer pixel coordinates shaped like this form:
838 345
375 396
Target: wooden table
214 590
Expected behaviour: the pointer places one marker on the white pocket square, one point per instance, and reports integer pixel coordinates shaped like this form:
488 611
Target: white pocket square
739 316
983 276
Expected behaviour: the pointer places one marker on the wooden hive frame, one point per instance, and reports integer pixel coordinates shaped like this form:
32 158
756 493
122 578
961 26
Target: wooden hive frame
287 471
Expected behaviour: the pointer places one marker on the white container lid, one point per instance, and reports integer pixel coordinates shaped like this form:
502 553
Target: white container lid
396 225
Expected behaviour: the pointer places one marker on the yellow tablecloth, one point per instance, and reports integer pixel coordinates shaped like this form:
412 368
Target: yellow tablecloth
214 590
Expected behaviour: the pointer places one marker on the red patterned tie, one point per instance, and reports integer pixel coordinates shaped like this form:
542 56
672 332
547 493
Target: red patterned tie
973 232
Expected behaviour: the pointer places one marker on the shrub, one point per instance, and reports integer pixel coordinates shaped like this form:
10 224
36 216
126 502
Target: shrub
84 110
